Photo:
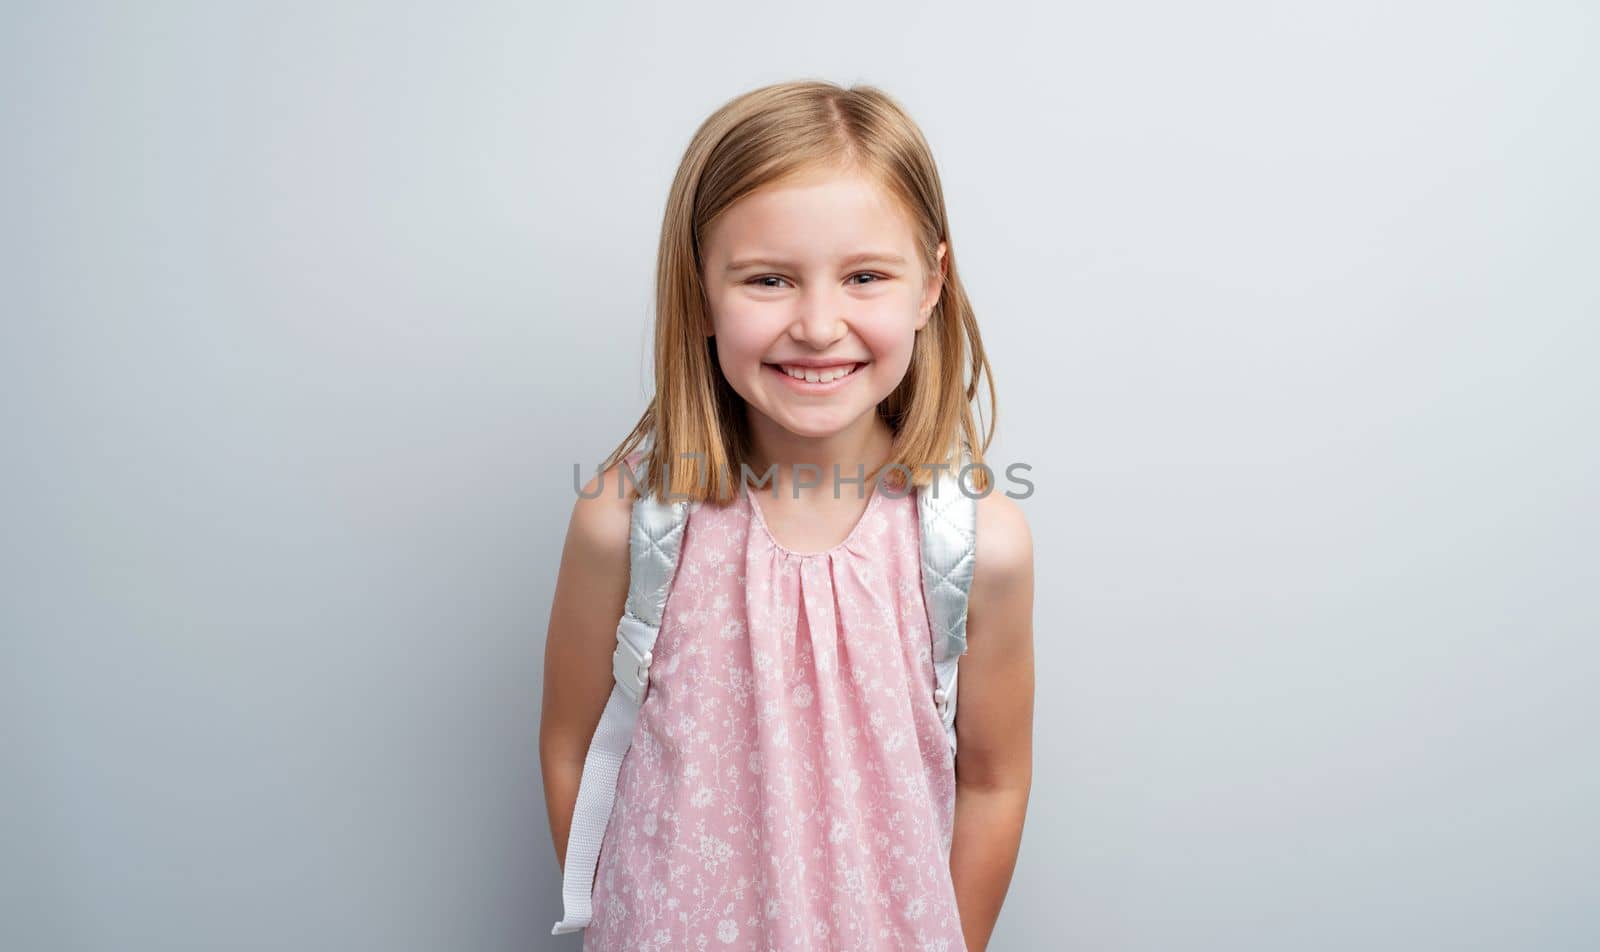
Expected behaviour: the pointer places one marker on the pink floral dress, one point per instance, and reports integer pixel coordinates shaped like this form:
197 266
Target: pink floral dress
790 784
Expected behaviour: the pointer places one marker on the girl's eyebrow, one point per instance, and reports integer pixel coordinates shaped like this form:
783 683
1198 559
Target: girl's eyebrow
880 257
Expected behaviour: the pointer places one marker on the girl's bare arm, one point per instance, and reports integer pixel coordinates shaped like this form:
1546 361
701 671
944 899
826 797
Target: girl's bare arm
994 719
591 588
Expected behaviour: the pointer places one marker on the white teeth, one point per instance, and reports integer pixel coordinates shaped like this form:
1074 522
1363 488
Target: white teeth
812 375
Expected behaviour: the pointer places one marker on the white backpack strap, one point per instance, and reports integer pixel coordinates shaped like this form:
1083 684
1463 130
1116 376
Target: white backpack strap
655 541
948 522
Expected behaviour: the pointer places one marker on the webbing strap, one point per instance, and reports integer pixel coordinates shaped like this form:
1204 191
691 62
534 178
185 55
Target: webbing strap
596 793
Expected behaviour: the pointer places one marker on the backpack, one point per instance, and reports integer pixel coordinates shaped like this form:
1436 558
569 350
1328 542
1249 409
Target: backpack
948 526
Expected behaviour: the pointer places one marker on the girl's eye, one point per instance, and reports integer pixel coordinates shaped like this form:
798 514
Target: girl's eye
761 281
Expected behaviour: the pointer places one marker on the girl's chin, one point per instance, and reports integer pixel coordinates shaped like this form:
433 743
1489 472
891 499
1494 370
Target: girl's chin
819 421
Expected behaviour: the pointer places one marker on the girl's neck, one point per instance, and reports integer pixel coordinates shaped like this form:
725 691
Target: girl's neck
856 452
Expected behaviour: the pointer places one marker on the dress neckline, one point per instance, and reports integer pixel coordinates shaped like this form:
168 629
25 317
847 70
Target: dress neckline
760 520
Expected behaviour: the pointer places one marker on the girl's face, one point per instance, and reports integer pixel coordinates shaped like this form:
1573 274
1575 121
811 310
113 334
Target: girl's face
819 276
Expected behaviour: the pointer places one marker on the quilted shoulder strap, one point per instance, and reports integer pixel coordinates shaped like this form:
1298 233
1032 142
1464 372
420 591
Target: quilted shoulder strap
655 540
948 523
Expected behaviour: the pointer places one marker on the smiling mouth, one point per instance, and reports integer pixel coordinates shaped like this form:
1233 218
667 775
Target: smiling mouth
817 374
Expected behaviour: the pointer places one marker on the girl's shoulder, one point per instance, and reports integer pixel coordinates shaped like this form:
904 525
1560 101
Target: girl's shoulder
1004 560
601 516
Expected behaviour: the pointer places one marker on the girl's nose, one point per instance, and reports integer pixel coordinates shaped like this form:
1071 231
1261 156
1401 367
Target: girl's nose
821 321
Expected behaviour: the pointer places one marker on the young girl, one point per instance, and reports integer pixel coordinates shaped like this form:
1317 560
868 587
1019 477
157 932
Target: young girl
790 783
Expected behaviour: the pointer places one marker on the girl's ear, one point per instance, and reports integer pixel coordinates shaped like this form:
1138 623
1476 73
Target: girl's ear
935 286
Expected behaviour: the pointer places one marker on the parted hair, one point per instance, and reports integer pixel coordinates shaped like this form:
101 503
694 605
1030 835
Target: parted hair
756 139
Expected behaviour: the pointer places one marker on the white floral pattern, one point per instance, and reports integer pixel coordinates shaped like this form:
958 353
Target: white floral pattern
790 784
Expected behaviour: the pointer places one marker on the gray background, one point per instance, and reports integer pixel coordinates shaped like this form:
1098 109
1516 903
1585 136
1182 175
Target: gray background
309 309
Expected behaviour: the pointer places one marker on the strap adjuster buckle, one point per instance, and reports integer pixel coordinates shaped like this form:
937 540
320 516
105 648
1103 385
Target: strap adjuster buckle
629 667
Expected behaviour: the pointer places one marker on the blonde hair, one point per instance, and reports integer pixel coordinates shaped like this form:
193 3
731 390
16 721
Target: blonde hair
756 139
